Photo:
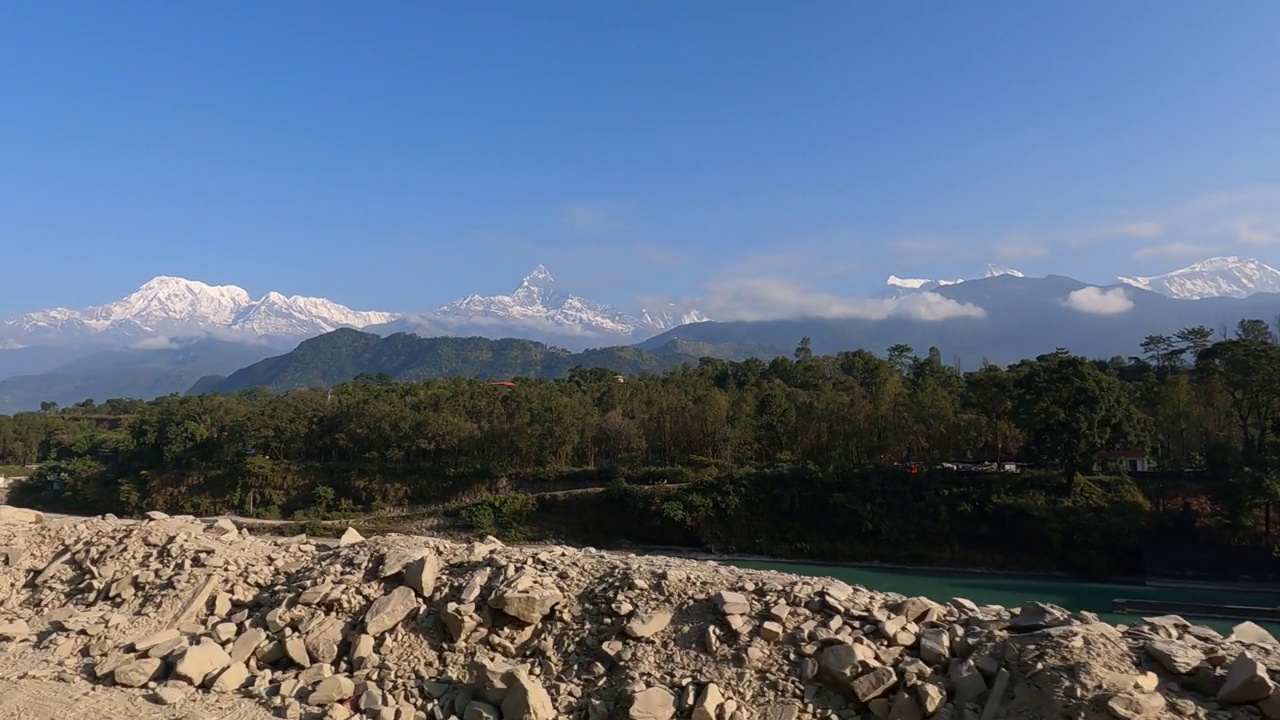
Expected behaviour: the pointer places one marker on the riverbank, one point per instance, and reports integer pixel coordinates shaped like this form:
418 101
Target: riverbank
1171 584
207 618
734 558
986 585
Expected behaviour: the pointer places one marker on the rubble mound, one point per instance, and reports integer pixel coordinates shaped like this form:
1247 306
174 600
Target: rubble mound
184 612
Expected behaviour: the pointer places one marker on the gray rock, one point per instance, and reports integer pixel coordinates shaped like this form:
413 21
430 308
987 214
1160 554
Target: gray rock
935 646
332 690
172 693
390 610
231 679
10 514
931 696
137 673
643 625
732 603
653 703
1247 681
14 630
528 606
1252 633
421 573
1129 706
244 645
872 685
708 703
153 640
526 699
1176 657
200 662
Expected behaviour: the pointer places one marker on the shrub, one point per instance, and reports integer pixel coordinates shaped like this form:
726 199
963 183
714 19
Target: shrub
503 516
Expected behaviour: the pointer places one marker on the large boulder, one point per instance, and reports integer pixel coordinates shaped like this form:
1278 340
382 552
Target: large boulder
526 699
200 662
10 514
1178 658
655 703
1247 682
529 605
390 610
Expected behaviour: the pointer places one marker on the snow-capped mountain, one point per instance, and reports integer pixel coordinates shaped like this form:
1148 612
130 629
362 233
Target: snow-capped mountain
671 316
898 286
1228 276
177 307
539 305
998 270
166 308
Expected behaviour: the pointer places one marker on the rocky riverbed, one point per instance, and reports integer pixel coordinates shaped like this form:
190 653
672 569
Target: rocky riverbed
172 617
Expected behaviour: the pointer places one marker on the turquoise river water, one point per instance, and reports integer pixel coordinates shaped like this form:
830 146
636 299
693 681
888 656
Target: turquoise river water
1012 591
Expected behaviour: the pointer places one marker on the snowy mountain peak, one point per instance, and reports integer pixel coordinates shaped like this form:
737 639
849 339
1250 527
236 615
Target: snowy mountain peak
539 276
1225 276
909 283
276 314
671 316
171 299
994 270
538 289
538 303
178 307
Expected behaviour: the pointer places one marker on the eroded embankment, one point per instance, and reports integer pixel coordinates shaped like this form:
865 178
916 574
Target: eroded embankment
190 617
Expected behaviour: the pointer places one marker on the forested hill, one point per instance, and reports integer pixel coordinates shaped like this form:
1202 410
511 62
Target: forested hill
797 456
339 356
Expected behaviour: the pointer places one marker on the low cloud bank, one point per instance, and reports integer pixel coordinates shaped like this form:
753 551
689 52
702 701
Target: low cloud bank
1099 301
767 299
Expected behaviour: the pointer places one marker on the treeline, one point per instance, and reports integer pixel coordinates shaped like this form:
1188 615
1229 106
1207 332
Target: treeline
1194 400
1026 522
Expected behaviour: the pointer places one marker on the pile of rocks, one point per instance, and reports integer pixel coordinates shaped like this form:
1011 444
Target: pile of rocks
402 628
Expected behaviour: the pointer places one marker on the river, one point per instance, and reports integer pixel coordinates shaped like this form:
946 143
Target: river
1011 591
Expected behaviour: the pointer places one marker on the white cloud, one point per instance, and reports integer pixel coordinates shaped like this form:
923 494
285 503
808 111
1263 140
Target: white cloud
922 248
1133 230
154 343
1220 222
587 219
1253 230
775 299
1176 250
1097 301
1143 229
1021 246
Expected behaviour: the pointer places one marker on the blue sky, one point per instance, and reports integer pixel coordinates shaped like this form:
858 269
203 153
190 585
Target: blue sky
395 155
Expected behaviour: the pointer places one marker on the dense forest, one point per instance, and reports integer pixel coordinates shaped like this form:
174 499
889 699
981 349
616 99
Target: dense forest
750 452
336 357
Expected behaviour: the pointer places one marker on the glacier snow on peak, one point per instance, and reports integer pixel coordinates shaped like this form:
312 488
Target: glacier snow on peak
993 270
165 305
1226 276
539 303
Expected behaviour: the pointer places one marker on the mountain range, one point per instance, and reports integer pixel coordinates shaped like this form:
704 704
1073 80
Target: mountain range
1228 276
172 332
539 309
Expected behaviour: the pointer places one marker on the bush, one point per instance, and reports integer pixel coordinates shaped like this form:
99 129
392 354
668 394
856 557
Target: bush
503 516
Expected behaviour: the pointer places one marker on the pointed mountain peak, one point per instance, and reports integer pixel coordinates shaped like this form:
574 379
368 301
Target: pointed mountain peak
539 277
994 270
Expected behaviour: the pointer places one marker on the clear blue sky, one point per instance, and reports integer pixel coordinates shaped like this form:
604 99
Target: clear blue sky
395 155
